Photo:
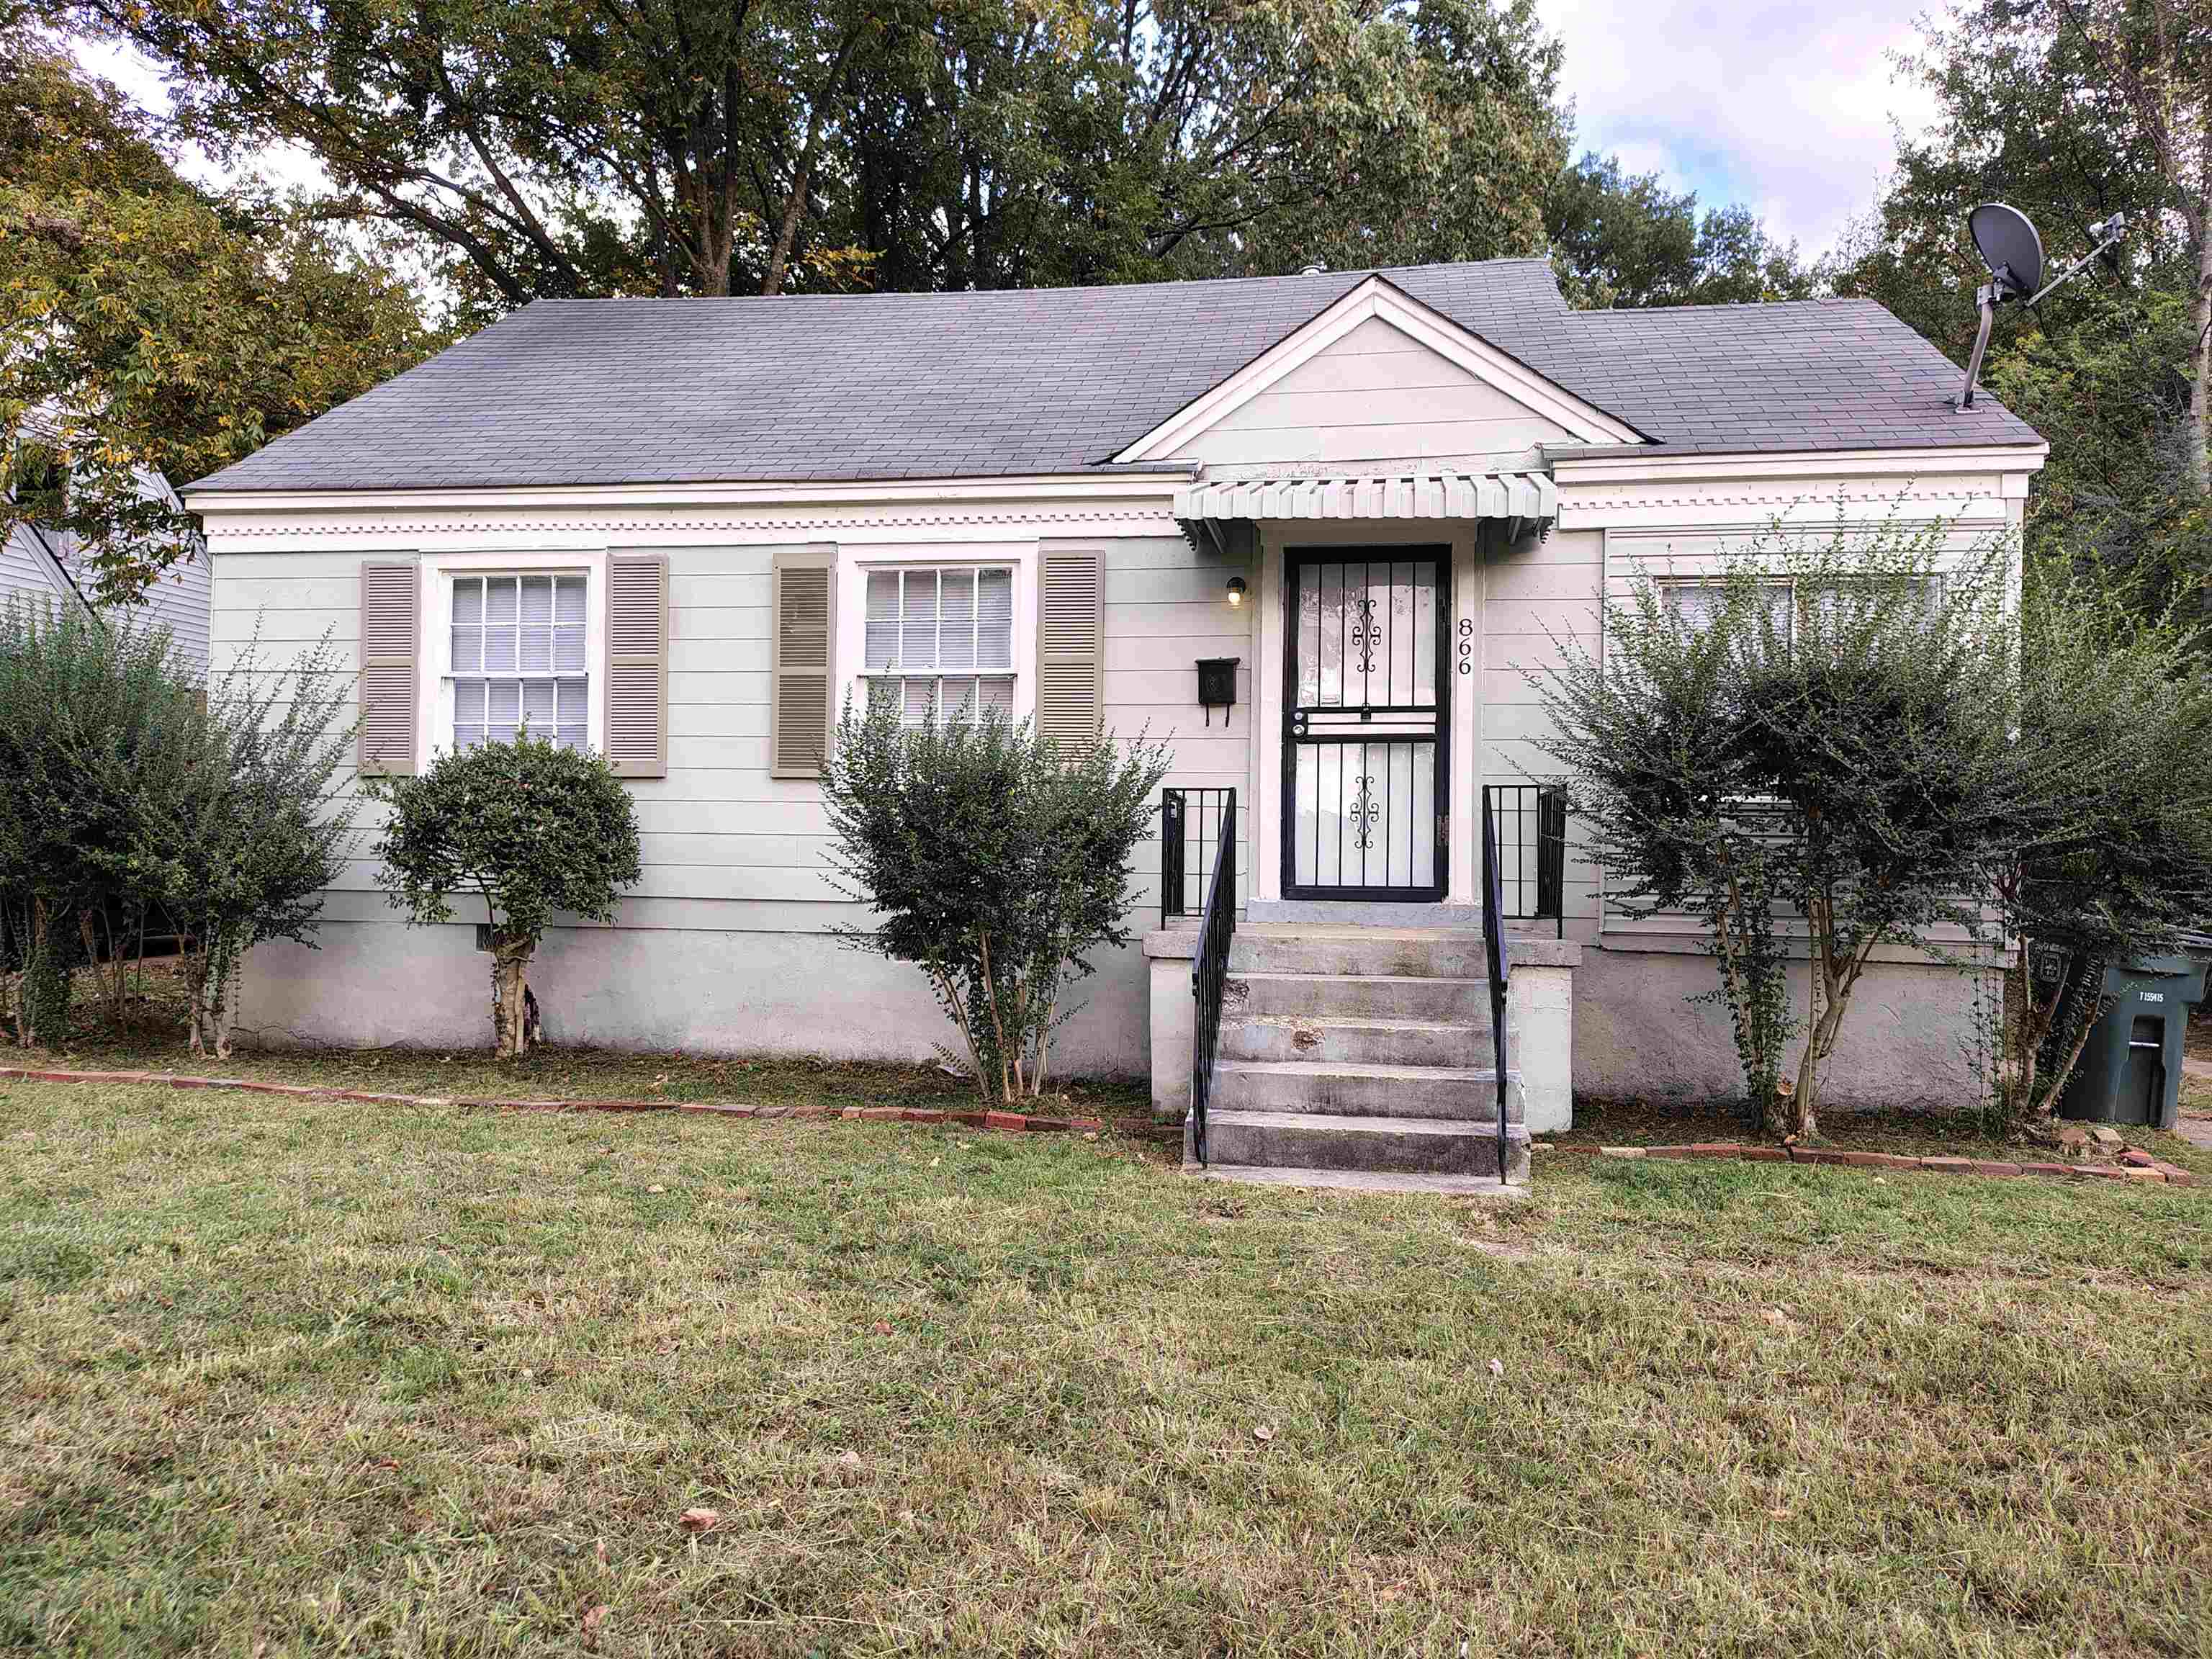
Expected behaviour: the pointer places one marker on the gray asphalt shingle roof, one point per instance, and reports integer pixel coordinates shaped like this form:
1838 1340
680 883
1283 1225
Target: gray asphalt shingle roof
896 386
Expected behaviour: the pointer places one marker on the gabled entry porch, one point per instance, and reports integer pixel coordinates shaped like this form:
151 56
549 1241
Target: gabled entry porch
1354 1036
1369 596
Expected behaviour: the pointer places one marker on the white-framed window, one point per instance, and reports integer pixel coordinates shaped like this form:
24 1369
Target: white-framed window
518 658
940 639
1698 604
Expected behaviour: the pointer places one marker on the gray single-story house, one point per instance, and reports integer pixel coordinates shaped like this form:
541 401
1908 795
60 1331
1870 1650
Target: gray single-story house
686 530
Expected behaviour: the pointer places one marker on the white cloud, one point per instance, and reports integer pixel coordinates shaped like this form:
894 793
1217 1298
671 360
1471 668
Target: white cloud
1784 107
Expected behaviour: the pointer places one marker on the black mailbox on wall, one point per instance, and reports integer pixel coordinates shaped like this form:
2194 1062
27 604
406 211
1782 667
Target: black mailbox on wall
1217 683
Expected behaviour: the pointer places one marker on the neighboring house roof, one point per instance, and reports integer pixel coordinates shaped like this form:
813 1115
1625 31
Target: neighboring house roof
898 385
47 562
32 562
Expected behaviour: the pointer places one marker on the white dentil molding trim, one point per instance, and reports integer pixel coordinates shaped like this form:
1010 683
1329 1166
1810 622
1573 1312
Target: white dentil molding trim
1619 488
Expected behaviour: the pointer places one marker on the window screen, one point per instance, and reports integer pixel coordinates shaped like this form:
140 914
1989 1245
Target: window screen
518 660
941 642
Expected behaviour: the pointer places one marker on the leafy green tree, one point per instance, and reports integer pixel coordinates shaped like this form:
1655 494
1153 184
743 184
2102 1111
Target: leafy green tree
529 829
997 861
1833 736
146 327
2071 112
1619 240
678 146
237 828
84 707
2114 858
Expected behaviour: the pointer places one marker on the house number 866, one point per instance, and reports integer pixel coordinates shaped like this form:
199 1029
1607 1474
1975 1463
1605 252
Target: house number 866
1465 645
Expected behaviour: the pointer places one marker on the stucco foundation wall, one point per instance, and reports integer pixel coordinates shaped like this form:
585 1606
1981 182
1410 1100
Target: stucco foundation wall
1907 1041
370 984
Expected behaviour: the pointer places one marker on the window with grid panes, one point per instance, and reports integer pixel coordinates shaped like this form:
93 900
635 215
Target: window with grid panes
941 641
518 660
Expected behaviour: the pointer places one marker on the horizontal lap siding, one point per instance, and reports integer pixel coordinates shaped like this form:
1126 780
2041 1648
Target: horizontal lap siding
1166 608
1537 599
725 846
1376 395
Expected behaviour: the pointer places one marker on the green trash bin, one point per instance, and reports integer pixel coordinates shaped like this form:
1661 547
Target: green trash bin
2131 1069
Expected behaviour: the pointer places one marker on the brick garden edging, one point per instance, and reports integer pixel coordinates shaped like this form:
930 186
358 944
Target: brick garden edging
2136 1164
1018 1122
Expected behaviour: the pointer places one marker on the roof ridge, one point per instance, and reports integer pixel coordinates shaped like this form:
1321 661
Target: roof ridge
1181 284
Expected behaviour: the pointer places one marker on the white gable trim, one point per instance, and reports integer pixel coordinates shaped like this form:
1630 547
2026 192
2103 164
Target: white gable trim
1377 298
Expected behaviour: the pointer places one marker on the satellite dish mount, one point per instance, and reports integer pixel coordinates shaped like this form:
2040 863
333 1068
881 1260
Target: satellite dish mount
2013 253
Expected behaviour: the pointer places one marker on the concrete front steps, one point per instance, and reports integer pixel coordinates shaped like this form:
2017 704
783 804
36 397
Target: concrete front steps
1360 1056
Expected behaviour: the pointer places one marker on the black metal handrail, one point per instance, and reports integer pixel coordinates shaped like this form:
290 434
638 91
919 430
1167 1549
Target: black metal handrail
1532 842
1209 973
1190 821
1493 946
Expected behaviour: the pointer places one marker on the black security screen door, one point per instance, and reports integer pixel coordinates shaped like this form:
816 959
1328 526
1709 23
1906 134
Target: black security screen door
1364 728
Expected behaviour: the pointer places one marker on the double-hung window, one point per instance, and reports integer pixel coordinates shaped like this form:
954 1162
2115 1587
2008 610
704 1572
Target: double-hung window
1790 605
940 641
1698 605
519 660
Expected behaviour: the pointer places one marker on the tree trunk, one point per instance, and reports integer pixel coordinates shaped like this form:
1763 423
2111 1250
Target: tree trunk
2200 368
802 172
509 960
27 1030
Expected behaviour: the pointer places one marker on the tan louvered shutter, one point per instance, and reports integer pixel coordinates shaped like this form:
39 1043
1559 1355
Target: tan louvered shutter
391 637
803 615
637 666
1071 643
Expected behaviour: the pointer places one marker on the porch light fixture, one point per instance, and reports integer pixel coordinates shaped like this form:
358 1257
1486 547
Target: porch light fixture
1236 592
2014 252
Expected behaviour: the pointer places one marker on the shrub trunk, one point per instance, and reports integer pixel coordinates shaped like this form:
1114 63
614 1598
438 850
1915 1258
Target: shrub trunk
510 959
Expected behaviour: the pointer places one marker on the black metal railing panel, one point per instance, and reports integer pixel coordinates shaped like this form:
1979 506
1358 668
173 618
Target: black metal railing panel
1209 974
1191 824
1495 959
1531 820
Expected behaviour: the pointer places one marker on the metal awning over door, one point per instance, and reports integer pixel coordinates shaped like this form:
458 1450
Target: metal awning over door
1526 501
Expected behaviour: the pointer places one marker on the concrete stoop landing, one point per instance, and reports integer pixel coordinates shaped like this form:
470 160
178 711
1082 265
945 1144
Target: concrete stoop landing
1360 1057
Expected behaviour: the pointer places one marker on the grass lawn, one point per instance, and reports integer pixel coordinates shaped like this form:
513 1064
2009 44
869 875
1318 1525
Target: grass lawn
283 1377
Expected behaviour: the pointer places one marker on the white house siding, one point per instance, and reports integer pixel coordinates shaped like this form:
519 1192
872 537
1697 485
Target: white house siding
1373 398
28 573
179 602
725 945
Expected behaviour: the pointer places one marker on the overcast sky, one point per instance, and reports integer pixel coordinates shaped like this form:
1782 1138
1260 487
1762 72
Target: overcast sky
1786 107
1776 105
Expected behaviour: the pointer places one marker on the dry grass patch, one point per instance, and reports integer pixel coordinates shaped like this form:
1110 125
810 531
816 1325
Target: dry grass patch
334 1378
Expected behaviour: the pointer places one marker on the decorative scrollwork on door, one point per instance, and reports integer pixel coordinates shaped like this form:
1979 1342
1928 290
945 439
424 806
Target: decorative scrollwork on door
1365 811
1366 634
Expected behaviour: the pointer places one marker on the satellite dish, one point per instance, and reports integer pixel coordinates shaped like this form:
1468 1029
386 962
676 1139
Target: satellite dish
2013 253
2010 247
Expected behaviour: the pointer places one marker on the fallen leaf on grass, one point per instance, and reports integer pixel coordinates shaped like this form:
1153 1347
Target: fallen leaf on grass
386 1463
656 1189
1778 1319
594 1618
1264 1432
701 1520
883 1328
